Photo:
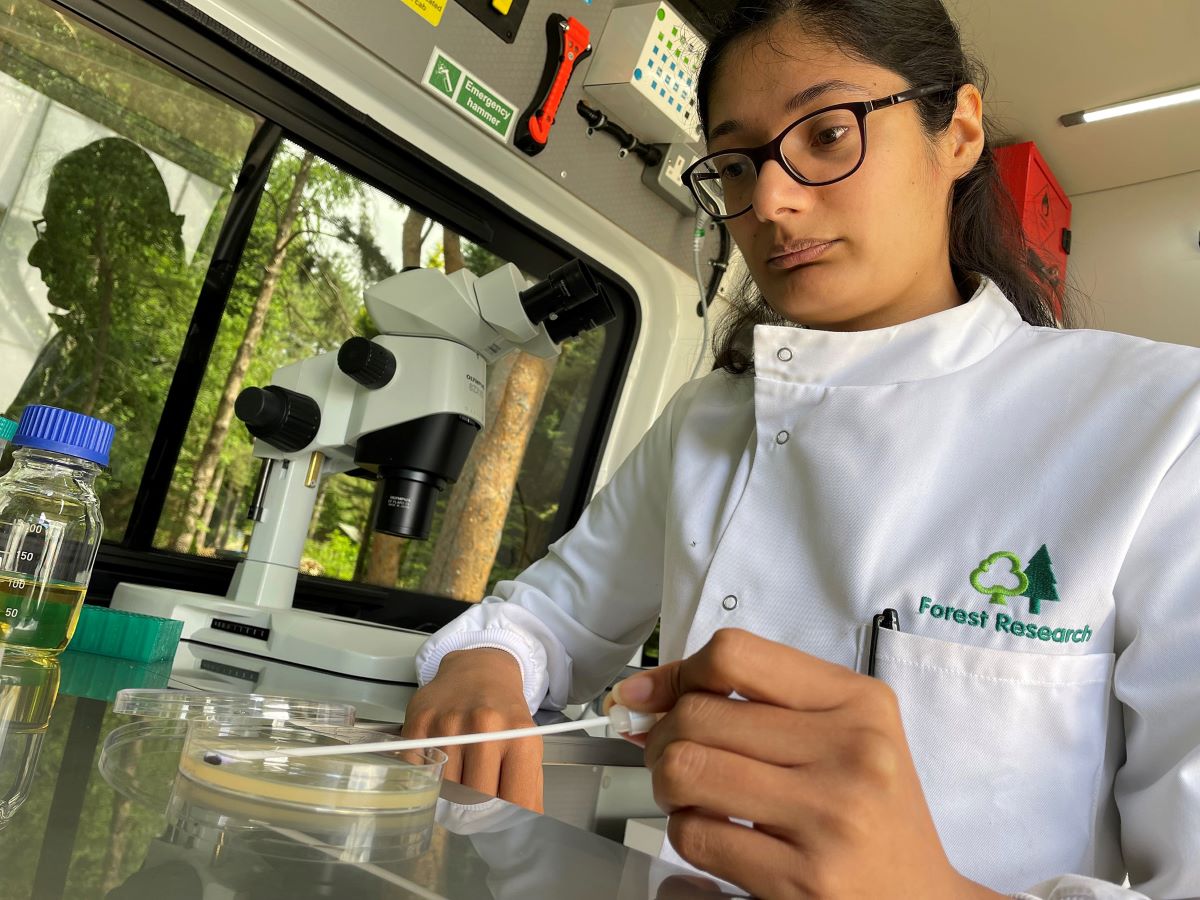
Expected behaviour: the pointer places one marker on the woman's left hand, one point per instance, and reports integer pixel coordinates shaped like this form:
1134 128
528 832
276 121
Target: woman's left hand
815 757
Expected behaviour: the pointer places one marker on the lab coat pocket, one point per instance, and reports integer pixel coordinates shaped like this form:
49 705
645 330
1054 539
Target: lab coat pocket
1010 750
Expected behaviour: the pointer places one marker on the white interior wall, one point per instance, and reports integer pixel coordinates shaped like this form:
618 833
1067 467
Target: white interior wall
1135 255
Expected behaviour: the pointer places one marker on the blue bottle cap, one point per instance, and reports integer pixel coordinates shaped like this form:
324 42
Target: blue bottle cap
7 429
63 431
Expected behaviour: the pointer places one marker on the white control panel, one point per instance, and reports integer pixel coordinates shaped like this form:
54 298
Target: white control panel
644 73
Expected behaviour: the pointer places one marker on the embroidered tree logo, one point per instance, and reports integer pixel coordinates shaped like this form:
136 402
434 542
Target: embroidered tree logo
999 592
1040 574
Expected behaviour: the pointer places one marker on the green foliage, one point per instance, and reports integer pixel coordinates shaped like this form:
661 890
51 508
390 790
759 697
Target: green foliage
332 257
336 555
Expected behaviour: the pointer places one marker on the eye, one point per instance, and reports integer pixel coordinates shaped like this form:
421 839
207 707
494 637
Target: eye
732 169
827 137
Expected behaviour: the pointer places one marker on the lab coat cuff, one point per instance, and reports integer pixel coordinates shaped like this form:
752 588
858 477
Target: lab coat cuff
534 680
1079 887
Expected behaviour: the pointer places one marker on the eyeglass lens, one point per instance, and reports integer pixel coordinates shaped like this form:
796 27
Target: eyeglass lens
821 149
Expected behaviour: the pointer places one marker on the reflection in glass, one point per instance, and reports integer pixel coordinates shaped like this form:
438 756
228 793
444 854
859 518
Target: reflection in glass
112 183
28 689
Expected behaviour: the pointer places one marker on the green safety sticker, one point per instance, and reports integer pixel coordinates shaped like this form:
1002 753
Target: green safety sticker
478 102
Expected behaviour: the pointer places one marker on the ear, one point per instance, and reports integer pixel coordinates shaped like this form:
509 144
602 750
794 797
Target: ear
964 138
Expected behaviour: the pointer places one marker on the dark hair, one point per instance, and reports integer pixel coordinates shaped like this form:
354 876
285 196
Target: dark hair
917 40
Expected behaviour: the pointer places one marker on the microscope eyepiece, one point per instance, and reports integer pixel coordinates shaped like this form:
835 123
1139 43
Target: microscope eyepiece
567 286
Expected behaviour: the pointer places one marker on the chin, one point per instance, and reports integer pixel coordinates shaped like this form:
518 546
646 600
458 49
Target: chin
807 300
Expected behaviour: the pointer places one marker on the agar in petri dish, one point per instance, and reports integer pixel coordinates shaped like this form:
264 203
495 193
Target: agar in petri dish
380 783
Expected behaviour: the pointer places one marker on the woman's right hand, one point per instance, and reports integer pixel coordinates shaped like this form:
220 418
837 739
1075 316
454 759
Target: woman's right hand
481 690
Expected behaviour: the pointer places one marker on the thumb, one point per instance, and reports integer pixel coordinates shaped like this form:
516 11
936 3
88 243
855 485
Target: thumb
655 690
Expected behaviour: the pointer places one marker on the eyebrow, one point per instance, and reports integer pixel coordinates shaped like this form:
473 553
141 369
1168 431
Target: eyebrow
799 100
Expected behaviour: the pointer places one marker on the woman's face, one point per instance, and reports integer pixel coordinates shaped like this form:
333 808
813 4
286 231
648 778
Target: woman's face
886 258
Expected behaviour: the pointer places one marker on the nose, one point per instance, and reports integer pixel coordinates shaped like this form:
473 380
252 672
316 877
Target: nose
777 193
36 253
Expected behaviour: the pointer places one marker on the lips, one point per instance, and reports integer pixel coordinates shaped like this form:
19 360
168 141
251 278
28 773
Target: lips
798 253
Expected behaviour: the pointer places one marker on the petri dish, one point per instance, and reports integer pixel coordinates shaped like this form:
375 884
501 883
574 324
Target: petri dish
386 784
204 816
204 706
141 760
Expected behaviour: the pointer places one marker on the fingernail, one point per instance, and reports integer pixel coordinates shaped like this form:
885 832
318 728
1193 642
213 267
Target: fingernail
633 690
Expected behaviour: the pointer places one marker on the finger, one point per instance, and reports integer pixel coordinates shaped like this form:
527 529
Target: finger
687 887
481 767
736 661
754 861
418 725
521 774
691 776
781 737
453 769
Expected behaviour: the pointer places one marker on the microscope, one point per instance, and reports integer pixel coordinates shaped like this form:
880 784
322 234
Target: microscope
404 408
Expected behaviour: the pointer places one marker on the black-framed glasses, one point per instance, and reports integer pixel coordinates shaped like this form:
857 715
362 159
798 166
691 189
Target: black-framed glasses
39 228
817 149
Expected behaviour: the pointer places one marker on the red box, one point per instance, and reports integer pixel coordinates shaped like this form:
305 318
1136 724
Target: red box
1044 209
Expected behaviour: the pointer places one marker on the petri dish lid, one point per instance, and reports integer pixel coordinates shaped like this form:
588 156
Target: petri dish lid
205 706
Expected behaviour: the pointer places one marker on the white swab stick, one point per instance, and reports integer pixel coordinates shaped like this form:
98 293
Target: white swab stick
624 720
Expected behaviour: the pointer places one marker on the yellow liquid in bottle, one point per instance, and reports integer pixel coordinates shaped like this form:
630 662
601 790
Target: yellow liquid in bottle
38 617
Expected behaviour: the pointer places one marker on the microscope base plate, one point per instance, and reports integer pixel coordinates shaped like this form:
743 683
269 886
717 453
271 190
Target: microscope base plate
347 647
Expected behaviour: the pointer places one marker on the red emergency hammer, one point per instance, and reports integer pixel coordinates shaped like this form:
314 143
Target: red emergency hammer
570 43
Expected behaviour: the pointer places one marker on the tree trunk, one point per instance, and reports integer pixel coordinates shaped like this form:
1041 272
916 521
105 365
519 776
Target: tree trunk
232 513
207 463
452 255
210 507
386 552
225 505
103 324
469 542
318 508
443 557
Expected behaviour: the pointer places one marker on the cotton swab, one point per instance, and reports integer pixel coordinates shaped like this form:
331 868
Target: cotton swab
624 720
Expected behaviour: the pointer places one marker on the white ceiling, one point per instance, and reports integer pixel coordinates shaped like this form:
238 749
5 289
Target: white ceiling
1051 57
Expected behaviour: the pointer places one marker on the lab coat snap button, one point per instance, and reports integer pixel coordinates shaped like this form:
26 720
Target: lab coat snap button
784 354
782 437
729 602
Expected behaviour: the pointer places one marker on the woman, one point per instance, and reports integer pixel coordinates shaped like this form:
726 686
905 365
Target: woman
1021 499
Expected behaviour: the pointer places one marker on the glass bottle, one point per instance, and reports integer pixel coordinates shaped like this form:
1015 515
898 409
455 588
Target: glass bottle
50 527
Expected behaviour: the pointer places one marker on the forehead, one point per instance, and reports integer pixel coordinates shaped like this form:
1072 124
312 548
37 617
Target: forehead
761 72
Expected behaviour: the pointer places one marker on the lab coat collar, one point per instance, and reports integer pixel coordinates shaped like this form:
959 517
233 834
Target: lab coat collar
933 345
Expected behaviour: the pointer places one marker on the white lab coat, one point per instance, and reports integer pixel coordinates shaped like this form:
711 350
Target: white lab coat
862 470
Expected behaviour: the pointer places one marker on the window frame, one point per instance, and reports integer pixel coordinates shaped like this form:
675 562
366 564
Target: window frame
294 108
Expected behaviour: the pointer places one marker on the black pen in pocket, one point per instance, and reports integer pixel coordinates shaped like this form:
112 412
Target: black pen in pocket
889 619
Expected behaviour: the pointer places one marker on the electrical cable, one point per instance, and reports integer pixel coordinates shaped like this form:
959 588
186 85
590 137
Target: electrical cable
708 292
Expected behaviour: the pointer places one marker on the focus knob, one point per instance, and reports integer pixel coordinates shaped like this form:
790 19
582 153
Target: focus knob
284 419
368 363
